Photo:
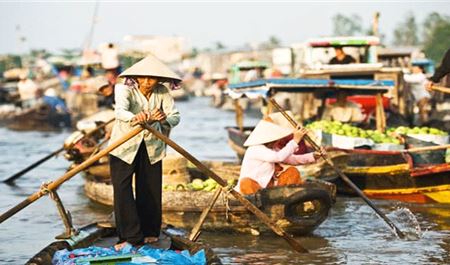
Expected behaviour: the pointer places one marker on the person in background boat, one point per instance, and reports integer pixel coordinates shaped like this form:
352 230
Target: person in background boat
27 89
217 88
141 99
441 71
343 110
416 81
110 58
51 99
263 161
341 57
106 89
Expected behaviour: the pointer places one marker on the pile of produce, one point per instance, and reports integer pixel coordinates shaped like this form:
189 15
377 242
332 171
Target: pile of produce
417 130
199 185
338 128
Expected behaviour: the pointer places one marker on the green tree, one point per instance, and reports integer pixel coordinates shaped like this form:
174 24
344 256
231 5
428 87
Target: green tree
438 41
347 25
433 20
219 46
405 34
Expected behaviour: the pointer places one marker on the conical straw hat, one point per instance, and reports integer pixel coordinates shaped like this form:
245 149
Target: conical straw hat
279 119
150 66
266 132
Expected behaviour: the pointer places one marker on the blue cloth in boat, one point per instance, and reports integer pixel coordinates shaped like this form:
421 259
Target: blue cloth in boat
162 256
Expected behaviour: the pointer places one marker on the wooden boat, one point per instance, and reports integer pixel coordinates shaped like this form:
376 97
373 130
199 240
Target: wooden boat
393 175
94 235
299 209
40 118
380 174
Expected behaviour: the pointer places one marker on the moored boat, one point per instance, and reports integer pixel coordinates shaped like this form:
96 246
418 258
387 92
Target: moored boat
393 175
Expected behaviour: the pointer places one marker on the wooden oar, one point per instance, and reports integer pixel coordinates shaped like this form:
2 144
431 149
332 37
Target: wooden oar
195 232
340 173
441 89
55 184
252 208
426 148
11 179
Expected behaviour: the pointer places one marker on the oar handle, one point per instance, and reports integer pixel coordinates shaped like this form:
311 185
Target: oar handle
340 173
441 89
55 184
252 208
426 148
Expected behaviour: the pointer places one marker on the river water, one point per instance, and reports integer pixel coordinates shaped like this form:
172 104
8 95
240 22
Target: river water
352 234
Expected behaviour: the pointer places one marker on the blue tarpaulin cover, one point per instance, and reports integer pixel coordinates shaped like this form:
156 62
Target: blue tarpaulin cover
159 256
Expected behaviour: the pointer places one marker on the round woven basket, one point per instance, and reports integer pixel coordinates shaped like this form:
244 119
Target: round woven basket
175 170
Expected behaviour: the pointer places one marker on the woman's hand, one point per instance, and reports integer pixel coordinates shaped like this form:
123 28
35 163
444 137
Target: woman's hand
158 115
429 86
141 117
318 154
299 133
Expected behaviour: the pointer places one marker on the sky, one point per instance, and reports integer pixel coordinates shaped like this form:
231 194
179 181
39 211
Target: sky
55 25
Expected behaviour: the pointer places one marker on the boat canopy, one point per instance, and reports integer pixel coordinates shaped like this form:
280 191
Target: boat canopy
355 41
266 87
250 64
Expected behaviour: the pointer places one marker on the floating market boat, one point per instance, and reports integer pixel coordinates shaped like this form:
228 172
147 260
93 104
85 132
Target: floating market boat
298 209
393 175
380 174
323 88
92 235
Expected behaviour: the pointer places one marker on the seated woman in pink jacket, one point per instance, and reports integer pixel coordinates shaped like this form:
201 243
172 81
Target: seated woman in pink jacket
261 164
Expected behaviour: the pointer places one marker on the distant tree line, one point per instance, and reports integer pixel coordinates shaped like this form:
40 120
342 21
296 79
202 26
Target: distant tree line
432 35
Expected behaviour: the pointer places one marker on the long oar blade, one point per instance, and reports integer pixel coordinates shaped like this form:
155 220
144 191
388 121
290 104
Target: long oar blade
252 208
11 179
341 174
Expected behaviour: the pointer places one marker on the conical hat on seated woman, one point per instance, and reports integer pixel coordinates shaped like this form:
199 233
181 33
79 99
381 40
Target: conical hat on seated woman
151 66
266 132
279 119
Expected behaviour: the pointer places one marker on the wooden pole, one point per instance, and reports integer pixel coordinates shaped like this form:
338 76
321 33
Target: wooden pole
252 208
340 173
441 89
196 230
55 184
239 115
426 148
379 113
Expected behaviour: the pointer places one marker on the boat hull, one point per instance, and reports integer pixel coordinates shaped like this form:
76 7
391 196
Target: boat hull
298 209
391 175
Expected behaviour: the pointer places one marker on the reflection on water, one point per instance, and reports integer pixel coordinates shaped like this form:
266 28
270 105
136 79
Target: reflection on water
353 234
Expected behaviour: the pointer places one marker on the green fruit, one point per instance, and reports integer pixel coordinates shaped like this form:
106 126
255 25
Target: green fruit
197 184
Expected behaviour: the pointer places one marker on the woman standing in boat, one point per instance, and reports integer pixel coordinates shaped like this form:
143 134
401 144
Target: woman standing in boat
141 99
263 161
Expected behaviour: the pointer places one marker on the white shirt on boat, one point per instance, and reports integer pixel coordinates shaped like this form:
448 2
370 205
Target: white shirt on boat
259 162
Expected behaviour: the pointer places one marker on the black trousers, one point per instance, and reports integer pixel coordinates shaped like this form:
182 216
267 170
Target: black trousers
137 216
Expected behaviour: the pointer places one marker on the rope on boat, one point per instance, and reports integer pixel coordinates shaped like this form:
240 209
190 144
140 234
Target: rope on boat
226 200
44 188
